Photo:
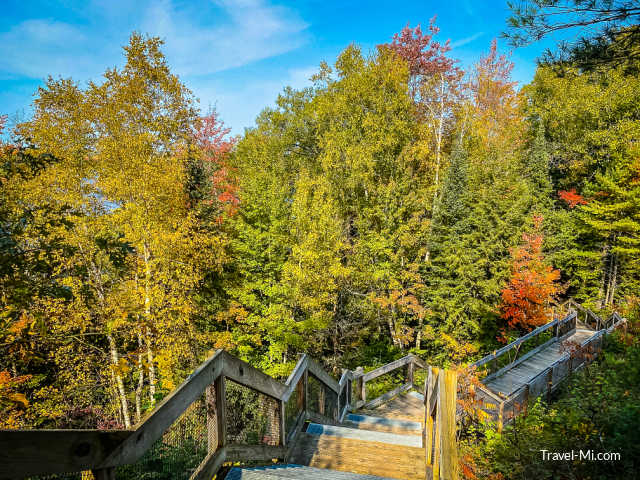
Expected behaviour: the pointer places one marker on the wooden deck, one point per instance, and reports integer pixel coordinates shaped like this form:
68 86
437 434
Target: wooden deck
522 373
405 406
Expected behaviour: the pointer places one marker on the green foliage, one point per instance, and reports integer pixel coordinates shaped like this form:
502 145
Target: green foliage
598 409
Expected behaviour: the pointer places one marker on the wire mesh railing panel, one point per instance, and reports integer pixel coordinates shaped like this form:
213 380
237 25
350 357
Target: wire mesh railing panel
538 385
567 327
561 370
516 404
252 417
330 403
180 450
385 383
294 407
316 390
419 378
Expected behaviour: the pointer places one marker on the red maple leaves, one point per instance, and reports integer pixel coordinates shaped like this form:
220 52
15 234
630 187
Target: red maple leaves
572 198
212 137
533 283
423 54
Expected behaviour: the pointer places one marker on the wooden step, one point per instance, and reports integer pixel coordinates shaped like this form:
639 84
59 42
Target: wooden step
359 456
298 472
382 424
366 435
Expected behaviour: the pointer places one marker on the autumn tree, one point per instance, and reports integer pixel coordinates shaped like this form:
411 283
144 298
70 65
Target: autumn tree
589 121
435 85
138 252
533 285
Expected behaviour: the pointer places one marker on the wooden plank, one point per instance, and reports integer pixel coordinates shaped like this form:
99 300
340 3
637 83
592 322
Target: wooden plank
170 409
35 452
522 359
244 374
255 452
437 440
389 367
449 450
210 465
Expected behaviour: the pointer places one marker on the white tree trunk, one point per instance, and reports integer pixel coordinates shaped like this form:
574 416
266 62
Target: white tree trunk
147 312
119 383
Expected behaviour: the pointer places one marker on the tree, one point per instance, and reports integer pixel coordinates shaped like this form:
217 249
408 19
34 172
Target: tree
435 86
138 251
590 122
527 298
609 36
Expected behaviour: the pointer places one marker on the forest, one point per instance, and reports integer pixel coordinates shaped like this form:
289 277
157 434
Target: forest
401 204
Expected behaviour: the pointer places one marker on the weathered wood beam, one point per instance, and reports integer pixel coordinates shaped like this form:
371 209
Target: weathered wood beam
167 412
210 465
296 375
248 376
34 452
389 367
319 372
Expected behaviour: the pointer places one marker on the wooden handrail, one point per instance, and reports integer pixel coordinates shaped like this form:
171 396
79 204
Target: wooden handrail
37 452
520 340
401 362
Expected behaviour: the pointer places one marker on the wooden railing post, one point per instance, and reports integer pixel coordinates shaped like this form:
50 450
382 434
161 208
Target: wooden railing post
360 385
449 449
410 371
321 399
281 423
549 383
221 410
306 391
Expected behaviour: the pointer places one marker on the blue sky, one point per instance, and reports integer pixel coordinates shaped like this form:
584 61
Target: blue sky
234 55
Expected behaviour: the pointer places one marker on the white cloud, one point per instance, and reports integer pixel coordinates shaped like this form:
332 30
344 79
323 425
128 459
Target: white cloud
466 40
37 48
252 31
235 33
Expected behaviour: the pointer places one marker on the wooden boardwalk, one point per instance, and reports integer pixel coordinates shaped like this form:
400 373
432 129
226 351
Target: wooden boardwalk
520 374
536 363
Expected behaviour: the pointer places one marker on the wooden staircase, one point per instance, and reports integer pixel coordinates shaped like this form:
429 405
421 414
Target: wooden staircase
383 442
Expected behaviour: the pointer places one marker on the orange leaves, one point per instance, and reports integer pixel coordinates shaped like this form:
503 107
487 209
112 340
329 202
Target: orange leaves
532 286
12 402
572 198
